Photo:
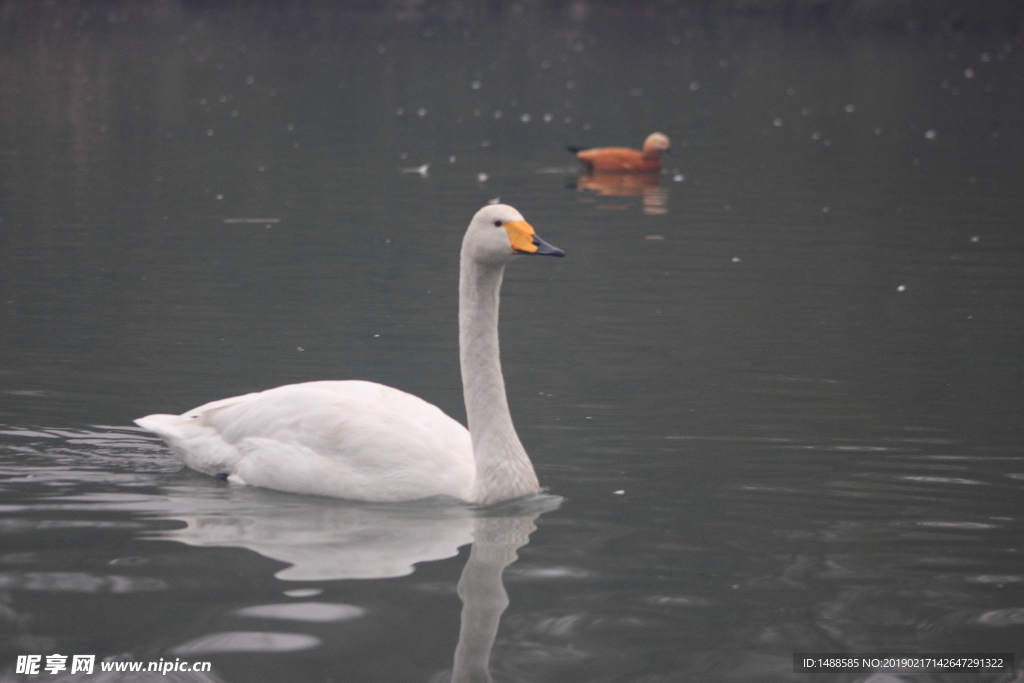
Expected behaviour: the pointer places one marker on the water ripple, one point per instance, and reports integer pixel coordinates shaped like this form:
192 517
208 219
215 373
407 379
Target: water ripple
247 641
79 582
1013 616
304 611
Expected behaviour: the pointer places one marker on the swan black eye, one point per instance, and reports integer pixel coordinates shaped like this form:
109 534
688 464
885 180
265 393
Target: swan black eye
497 224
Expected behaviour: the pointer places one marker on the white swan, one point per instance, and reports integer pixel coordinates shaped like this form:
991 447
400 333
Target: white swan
366 441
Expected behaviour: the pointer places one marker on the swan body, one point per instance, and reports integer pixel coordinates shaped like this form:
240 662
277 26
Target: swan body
624 159
366 441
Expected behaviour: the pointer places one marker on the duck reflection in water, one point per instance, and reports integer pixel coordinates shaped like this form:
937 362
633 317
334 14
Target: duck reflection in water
645 185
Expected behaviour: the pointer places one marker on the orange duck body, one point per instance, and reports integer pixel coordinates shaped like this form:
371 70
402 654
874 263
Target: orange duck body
623 159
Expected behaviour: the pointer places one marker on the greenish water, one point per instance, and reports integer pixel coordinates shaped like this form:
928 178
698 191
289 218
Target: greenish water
774 393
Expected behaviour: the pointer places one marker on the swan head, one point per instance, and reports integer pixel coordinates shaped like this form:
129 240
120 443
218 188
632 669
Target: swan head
656 142
498 232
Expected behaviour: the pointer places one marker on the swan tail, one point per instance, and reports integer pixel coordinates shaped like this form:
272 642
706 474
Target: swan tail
165 426
199 446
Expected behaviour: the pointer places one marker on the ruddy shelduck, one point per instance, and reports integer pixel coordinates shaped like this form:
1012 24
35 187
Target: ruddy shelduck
624 159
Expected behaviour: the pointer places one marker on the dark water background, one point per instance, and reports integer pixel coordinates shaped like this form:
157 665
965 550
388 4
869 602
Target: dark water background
779 387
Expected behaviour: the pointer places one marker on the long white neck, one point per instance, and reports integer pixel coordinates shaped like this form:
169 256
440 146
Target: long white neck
503 470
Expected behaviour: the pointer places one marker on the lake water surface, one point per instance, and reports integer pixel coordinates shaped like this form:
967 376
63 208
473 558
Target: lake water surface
774 394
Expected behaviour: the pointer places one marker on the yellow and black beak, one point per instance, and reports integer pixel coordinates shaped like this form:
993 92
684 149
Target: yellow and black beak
525 241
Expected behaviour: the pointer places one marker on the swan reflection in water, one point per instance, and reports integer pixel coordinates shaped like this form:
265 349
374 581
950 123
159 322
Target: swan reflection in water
496 541
324 539
647 186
